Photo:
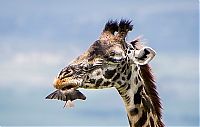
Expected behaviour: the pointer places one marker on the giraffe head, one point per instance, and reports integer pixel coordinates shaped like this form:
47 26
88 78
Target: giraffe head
102 64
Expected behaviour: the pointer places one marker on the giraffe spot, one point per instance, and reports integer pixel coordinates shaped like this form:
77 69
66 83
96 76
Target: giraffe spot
127 98
116 77
123 62
146 107
98 73
87 77
119 82
142 119
136 68
140 73
128 87
113 83
151 122
136 80
99 81
123 68
139 78
123 78
151 106
129 75
137 96
92 81
86 86
134 111
86 68
129 51
109 73
106 83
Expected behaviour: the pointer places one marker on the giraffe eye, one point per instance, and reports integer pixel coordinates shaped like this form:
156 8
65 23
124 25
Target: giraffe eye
115 56
112 53
115 59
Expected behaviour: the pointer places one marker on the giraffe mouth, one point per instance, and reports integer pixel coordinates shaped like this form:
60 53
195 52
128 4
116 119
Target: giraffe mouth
69 86
66 84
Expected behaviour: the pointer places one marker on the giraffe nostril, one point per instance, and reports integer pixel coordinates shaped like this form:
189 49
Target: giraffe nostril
65 73
68 72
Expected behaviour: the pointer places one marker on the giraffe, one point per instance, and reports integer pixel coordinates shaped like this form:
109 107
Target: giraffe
112 62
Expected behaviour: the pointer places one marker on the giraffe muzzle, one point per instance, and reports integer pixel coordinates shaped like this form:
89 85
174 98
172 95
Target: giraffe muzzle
66 83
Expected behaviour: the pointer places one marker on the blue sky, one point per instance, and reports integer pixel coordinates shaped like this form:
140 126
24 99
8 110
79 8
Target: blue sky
38 38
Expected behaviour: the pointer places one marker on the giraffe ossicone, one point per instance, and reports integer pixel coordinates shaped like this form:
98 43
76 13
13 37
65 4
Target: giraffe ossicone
112 62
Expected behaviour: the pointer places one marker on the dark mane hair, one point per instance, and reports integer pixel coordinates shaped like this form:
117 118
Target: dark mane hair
125 26
151 91
122 26
111 26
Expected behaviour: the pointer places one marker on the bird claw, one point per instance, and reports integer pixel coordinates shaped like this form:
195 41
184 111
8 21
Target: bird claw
68 104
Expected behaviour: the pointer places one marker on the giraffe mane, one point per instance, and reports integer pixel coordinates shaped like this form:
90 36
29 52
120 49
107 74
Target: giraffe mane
125 26
151 90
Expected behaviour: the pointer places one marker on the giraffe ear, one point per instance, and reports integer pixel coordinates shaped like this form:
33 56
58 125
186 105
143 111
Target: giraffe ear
144 55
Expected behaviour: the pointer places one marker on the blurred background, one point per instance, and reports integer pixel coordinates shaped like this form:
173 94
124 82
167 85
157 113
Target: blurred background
39 38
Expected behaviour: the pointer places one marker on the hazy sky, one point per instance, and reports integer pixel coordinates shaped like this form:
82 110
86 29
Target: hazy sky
39 38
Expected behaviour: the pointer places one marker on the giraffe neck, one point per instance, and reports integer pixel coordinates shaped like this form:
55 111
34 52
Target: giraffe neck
139 106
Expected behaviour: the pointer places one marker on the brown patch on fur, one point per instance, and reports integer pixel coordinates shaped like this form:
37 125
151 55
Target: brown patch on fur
151 91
